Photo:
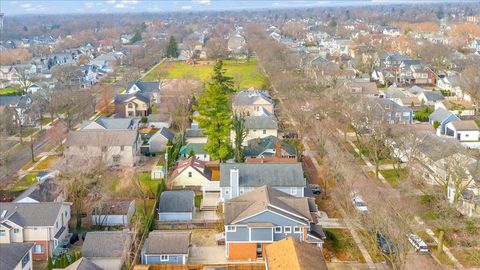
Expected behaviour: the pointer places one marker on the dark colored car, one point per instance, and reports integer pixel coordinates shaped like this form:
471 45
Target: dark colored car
315 189
74 238
385 245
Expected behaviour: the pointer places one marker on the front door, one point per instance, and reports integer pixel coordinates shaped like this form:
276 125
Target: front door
259 251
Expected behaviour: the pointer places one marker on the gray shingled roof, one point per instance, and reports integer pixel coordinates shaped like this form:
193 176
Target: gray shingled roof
248 97
468 125
102 138
257 175
167 242
46 191
106 244
261 122
114 123
165 133
32 214
194 133
120 98
177 201
11 254
439 114
145 86
255 148
433 95
83 264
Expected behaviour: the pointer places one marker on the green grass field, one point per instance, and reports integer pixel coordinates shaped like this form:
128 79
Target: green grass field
8 91
245 74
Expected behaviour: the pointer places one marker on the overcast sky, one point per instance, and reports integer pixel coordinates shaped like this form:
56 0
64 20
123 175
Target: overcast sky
16 7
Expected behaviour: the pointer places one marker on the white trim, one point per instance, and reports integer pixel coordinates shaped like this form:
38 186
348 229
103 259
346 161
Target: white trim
266 210
297 228
278 227
300 217
287 227
231 230
164 260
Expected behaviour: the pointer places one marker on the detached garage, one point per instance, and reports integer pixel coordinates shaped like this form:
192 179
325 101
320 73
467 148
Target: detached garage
176 205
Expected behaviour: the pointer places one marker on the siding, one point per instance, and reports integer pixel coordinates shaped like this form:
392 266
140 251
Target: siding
175 216
261 234
155 259
240 235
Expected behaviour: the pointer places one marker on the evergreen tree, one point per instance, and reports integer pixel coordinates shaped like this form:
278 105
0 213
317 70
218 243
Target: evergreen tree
219 77
137 37
172 49
215 118
49 264
240 135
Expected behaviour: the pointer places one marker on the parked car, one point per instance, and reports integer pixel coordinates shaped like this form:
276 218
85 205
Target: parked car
385 245
418 243
315 188
317 116
359 203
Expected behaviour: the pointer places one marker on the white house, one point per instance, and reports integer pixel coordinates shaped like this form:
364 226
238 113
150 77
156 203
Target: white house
116 213
463 130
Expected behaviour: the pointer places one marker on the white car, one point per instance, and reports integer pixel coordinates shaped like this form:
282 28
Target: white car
418 243
359 203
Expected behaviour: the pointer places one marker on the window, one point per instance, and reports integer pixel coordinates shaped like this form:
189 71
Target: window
287 229
189 174
293 191
37 249
231 229
25 259
264 131
66 213
297 229
56 224
35 228
130 105
116 159
3 233
164 258
104 149
121 148
278 229
16 230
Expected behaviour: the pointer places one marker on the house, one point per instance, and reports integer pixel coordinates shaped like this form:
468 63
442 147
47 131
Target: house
22 106
458 107
266 215
194 135
166 247
430 97
463 130
83 264
442 117
388 111
16 256
258 127
177 205
196 149
469 203
159 140
149 89
269 146
45 224
191 172
107 123
301 256
363 88
113 213
239 178
251 102
112 147
132 105
46 190
236 44
107 249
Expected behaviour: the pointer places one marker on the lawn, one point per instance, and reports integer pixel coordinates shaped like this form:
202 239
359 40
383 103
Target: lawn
245 72
469 257
198 200
46 164
8 91
341 243
371 246
392 178
148 184
478 122
25 183
46 120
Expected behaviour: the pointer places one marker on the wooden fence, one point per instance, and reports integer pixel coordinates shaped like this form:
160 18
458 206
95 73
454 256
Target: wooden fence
239 266
185 225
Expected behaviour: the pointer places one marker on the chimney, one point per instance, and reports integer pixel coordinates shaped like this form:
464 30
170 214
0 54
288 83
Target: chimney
259 140
278 149
234 181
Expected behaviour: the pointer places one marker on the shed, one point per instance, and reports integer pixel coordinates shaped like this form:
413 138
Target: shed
176 205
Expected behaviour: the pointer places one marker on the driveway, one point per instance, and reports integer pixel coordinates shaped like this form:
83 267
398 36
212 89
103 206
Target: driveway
204 248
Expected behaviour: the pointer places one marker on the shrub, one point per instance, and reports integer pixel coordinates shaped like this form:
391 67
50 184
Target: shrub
144 119
471 226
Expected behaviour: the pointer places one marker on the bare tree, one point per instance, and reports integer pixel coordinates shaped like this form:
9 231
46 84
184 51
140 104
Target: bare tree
470 83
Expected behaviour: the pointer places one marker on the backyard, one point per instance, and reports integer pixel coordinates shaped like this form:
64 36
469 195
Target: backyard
245 72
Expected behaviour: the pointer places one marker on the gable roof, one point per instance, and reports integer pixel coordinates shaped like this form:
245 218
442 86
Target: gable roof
257 175
266 198
145 86
112 123
249 97
45 191
113 208
301 255
102 138
121 98
261 122
83 264
177 201
465 125
11 254
167 242
440 114
256 147
32 214
165 133
194 133
197 148
433 95
194 163
117 242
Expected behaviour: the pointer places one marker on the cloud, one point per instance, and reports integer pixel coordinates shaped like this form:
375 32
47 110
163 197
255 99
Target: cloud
186 7
119 5
126 3
111 1
202 2
26 5
88 4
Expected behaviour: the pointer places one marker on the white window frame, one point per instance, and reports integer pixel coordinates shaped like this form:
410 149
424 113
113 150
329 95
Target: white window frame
16 230
35 249
231 228
297 229
164 258
3 232
293 190
190 174
278 229
287 229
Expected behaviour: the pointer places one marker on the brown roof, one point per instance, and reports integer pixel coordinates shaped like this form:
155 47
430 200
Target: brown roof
102 138
195 163
113 208
301 255
465 125
168 242
270 160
